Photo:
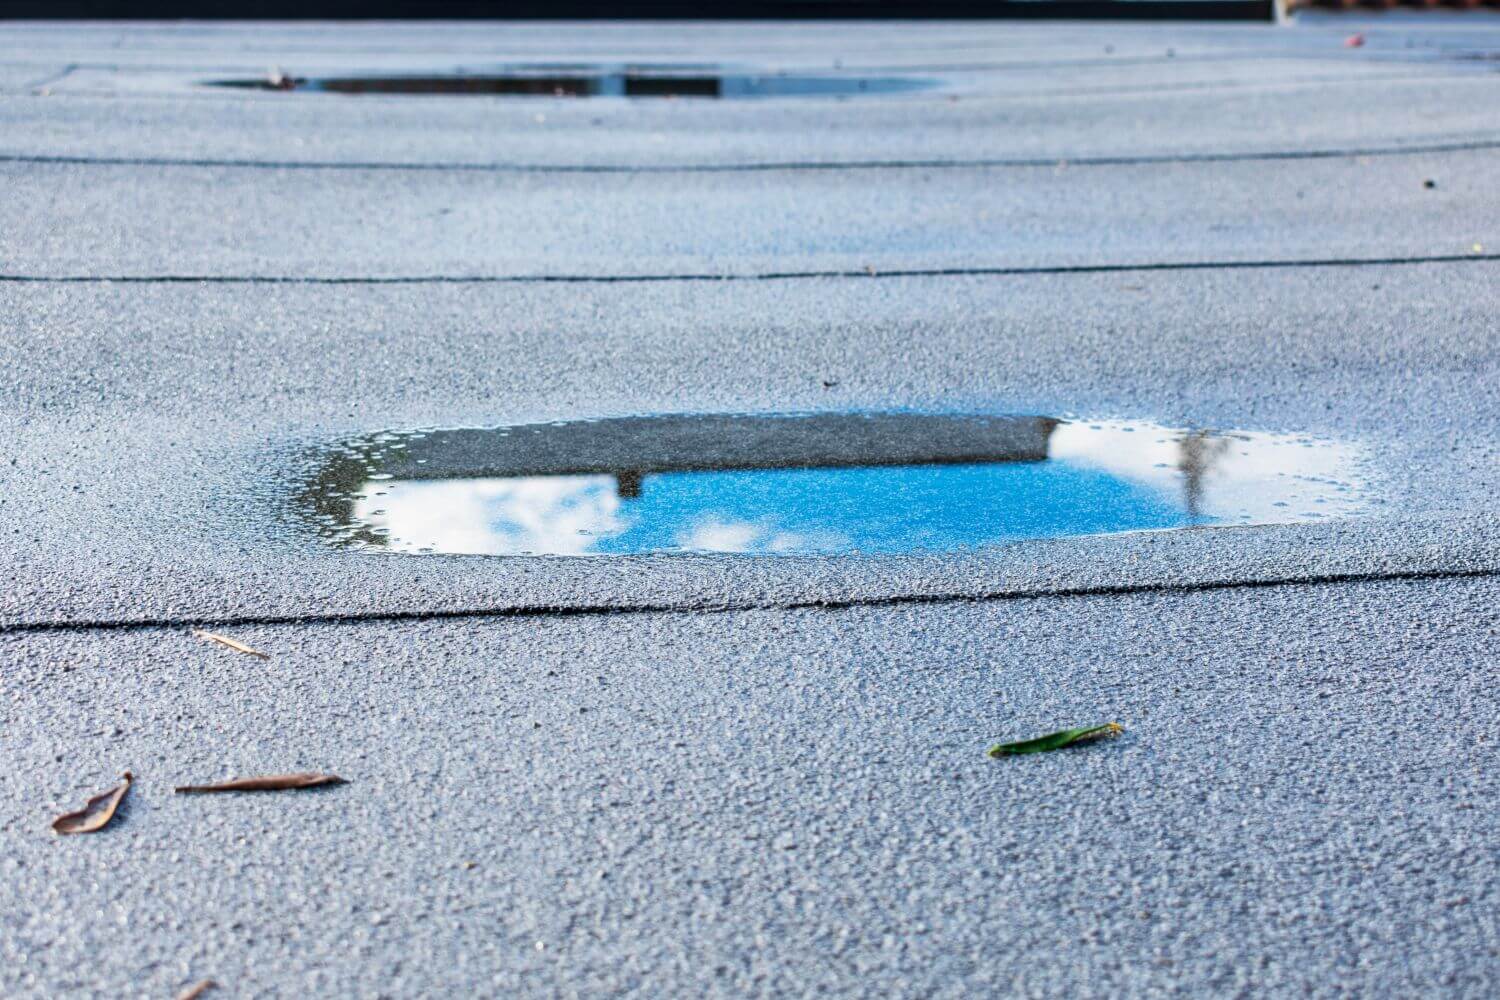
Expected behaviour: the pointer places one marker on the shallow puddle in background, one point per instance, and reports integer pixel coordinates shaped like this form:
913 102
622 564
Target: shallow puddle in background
595 81
813 484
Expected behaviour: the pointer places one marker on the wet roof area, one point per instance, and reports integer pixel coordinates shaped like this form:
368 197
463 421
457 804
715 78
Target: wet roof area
811 484
665 81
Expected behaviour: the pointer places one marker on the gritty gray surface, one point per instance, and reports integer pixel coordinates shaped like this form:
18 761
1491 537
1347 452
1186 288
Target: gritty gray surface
775 803
159 425
1308 114
1022 90
778 799
131 220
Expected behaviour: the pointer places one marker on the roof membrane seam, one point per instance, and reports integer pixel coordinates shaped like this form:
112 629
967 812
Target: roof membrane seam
814 604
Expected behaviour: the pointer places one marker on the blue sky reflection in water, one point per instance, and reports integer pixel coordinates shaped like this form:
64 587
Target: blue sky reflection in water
1098 478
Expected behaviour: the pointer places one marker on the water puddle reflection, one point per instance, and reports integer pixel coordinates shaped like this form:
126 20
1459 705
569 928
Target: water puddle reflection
594 81
813 484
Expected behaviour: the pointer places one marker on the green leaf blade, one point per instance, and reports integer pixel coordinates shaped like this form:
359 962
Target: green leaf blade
1055 741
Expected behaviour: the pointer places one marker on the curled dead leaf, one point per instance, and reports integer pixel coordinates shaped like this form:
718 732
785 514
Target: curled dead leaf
233 644
197 990
268 783
97 813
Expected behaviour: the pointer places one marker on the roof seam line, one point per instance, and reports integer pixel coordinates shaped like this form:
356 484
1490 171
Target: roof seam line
903 600
790 165
869 272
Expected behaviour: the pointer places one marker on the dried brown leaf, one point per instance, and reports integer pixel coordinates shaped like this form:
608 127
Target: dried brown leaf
233 644
268 783
196 990
97 813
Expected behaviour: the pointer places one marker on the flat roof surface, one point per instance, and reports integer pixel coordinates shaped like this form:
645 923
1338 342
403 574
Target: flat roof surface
720 775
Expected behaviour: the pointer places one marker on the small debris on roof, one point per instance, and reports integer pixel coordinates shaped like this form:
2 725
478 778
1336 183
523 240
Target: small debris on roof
233 644
1055 741
97 812
268 783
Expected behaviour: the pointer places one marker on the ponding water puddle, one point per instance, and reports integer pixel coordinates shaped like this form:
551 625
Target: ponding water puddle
820 483
594 81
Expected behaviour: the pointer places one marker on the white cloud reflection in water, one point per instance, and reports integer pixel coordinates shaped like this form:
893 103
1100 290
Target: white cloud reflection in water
1254 477
561 515
713 534
555 515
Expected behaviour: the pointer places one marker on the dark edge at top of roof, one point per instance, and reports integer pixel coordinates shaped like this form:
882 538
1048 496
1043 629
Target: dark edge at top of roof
357 10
